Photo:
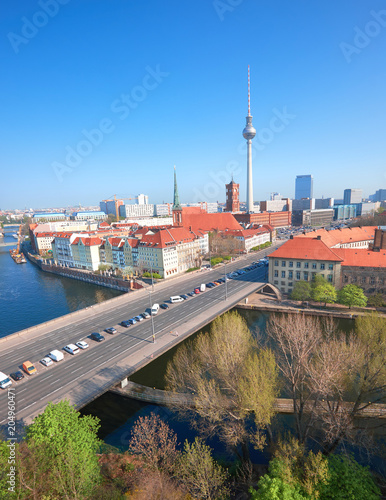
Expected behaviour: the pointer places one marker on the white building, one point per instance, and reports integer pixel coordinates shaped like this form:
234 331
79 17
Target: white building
135 210
142 199
97 215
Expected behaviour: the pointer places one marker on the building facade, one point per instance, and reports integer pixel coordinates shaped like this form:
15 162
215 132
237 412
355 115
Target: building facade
351 196
304 186
232 197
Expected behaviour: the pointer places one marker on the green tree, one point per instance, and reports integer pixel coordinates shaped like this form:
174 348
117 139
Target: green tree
352 295
293 474
348 479
312 477
324 292
301 291
223 369
64 445
376 300
199 473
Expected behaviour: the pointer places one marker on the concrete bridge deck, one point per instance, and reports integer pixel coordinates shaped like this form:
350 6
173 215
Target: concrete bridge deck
84 377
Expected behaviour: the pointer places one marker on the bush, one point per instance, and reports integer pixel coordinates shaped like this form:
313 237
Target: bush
192 269
376 300
216 260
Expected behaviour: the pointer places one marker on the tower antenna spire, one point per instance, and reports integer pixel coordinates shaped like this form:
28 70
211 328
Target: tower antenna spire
249 93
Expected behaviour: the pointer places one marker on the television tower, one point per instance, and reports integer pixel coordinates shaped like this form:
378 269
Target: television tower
249 133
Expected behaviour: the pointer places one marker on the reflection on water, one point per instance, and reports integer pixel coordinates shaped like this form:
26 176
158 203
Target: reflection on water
29 296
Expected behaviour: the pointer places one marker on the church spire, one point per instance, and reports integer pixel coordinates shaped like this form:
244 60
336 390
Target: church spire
176 198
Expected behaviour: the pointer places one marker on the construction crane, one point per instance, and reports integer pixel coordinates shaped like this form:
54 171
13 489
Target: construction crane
114 199
15 252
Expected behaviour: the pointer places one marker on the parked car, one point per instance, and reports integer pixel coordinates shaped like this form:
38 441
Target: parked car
196 291
138 318
17 375
145 315
126 323
111 330
82 344
164 306
71 349
191 294
4 381
46 361
97 337
132 321
29 368
56 355
185 297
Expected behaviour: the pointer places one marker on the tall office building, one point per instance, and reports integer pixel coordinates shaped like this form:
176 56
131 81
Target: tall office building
304 187
249 133
232 197
351 196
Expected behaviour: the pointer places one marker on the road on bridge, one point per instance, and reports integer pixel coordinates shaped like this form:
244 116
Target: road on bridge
85 376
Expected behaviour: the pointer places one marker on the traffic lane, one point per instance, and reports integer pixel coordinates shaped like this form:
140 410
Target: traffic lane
44 392
82 329
74 332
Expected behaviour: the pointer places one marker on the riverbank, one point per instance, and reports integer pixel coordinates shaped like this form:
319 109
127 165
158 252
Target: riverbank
86 276
265 302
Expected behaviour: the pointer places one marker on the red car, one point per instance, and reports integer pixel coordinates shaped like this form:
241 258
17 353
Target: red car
196 290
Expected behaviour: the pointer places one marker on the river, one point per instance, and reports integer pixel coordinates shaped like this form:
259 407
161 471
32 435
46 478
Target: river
29 296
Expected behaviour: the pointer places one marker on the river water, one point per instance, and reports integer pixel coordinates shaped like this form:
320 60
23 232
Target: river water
29 296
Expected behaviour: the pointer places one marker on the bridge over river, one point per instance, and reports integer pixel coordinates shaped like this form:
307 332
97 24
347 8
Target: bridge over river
282 405
83 377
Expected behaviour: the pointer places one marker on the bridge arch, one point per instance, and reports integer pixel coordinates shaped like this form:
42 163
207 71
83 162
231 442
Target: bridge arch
272 290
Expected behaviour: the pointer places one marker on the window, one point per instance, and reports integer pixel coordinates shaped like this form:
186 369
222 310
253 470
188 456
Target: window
313 275
282 282
298 265
330 267
329 278
290 283
276 282
283 274
322 266
306 265
314 265
345 278
372 280
283 263
298 275
276 273
276 262
305 276
290 275
291 264
364 280
354 279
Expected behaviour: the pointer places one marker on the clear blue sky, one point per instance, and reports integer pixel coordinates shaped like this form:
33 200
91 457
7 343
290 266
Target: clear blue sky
182 67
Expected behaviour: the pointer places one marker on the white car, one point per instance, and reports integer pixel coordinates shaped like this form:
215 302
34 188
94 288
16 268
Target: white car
71 349
46 361
82 344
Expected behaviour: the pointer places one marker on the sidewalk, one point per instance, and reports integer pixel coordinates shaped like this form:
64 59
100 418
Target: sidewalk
264 302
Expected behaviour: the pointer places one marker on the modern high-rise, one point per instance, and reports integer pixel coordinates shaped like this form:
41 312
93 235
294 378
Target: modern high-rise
249 133
351 196
304 187
232 197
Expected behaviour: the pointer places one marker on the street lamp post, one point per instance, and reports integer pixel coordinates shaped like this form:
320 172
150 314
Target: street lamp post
152 318
226 282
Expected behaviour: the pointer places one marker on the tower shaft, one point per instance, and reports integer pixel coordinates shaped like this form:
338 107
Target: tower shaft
249 177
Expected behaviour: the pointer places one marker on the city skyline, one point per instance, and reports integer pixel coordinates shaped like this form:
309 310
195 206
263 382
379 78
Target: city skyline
85 116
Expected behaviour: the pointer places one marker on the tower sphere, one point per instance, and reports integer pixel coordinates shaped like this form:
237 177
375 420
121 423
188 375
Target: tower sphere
249 132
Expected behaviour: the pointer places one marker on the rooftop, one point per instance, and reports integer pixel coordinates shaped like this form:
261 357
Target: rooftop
306 249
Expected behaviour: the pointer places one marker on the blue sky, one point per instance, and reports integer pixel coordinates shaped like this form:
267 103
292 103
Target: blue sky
165 83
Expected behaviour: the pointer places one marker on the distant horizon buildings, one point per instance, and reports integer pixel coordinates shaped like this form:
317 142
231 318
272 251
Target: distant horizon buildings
304 187
352 196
